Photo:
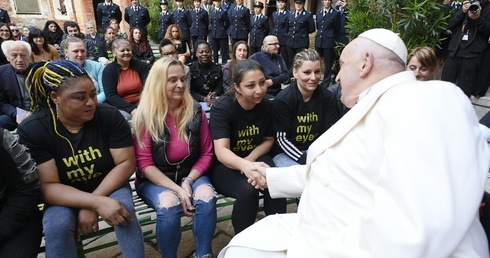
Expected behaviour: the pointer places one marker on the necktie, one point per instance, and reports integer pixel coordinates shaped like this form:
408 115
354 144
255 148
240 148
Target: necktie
296 16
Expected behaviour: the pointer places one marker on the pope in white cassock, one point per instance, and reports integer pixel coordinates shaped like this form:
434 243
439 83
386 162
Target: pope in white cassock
401 175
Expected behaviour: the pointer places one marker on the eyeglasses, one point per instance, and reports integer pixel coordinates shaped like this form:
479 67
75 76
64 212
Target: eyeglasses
4 31
169 53
15 30
273 44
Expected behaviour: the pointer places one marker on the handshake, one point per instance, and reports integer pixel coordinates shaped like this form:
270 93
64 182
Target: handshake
255 173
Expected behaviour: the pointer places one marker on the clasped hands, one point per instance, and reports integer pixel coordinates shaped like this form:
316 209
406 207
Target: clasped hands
255 172
111 211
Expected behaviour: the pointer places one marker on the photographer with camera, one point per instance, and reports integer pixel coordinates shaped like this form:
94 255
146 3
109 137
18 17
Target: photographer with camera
471 30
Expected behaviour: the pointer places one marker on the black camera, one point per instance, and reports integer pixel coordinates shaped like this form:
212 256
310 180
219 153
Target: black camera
475 6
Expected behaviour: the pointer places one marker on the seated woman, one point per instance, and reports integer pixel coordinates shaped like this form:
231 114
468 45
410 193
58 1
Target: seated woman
120 34
5 35
75 51
16 33
141 48
106 55
175 35
242 134
303 111
41 50
274 66
206 76
124 79
53 33
20 218
423 62
85 157
173 152
238 53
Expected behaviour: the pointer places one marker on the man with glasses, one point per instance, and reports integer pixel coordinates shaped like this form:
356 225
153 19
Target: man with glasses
274 66
167 49
13 91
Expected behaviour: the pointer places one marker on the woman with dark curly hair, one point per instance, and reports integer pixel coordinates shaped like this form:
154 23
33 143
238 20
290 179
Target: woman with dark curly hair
41 50
140 46
53 33
174 33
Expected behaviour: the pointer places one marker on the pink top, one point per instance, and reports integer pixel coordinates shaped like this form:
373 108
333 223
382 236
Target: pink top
179 149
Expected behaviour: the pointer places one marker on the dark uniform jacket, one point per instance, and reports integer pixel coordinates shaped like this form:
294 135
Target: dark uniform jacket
259 29
139 18
280 26
107 12
327 27
164 20
299 28
200 22
182 18
4 16
239 22
219 23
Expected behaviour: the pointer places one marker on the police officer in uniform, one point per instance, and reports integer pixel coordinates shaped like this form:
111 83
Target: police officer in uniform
182 18
137 16
240 22
219 22
279 29
107 11
259 28
200 22
300 25
164 19
327 27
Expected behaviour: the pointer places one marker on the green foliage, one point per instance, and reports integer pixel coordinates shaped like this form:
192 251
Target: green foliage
154 9
418 22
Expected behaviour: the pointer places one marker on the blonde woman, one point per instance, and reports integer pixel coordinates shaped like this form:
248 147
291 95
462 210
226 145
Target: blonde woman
174 183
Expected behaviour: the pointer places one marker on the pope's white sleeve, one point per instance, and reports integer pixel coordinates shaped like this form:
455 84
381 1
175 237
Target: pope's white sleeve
286 182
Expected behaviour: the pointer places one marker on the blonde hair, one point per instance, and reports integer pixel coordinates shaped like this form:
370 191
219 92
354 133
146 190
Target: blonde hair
426 56
153 107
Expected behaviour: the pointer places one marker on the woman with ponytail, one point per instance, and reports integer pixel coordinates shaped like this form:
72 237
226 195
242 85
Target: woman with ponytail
85 156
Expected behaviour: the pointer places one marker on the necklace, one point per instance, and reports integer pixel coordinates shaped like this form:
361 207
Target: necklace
73 129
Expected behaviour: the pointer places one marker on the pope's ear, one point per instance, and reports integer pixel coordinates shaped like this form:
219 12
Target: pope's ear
367 63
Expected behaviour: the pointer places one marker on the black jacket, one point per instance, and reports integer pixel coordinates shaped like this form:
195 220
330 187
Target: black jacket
19 186
479 31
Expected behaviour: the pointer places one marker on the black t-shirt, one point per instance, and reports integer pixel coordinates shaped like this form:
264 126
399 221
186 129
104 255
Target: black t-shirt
245 128
91 160
302 122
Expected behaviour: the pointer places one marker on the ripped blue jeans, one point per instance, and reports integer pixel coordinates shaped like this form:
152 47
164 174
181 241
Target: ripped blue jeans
168 218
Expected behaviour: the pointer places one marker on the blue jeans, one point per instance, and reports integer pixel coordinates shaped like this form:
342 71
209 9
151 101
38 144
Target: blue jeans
168 219
60 225
283 160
